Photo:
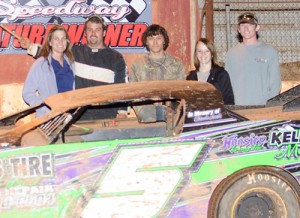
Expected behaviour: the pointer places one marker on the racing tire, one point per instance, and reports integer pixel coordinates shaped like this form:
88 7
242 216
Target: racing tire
256 192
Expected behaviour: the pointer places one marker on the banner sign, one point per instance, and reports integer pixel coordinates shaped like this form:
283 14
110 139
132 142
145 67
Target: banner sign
127 20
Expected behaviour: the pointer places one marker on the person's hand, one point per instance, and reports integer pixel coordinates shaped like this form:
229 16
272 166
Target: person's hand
25 43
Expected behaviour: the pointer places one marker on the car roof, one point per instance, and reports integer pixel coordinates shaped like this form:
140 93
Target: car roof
102 95
198 95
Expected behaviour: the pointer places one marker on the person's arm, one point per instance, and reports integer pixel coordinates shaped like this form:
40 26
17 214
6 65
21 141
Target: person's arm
30 88
228 63
224 84
132 75
121 70
192 75
33 49
275 75
181 71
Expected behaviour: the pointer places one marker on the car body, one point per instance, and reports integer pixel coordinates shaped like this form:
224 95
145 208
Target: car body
186 155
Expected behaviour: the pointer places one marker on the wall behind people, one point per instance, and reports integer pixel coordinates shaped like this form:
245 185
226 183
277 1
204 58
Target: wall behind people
174 15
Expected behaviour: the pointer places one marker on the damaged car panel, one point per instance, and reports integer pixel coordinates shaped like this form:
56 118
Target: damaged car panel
188 155
66 108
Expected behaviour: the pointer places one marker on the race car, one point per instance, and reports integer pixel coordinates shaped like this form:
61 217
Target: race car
179 153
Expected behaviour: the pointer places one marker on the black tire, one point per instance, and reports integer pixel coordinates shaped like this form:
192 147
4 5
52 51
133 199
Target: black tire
259 192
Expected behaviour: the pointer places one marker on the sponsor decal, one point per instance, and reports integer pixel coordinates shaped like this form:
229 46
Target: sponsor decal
27 166
288 143
26 170
200 116
27 196
236 144
126 21
254 178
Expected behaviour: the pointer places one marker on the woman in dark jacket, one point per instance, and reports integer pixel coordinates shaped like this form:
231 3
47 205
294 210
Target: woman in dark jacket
208 71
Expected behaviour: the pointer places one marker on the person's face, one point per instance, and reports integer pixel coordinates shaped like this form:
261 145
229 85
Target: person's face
248 30
156 43
58 41
203 53
94 35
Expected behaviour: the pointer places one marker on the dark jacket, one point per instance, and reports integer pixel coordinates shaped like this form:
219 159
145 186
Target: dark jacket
219 78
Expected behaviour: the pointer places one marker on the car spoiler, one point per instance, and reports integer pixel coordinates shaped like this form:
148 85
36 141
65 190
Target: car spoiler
289 100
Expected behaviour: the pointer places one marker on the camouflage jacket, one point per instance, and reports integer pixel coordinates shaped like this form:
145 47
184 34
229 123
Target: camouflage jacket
166 68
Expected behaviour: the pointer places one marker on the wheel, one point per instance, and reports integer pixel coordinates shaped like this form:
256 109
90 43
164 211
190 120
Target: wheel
260 192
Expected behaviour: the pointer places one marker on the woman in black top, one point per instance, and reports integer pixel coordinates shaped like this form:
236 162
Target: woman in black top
208 71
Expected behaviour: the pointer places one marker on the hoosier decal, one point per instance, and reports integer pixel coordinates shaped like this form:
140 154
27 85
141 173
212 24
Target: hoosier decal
244 144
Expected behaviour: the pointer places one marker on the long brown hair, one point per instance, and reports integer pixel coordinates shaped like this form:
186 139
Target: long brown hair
46 48
210 45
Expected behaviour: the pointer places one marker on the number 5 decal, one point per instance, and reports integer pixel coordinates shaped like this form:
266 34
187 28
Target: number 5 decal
141 181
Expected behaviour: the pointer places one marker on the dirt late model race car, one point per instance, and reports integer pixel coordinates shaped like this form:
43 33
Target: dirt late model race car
181 154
